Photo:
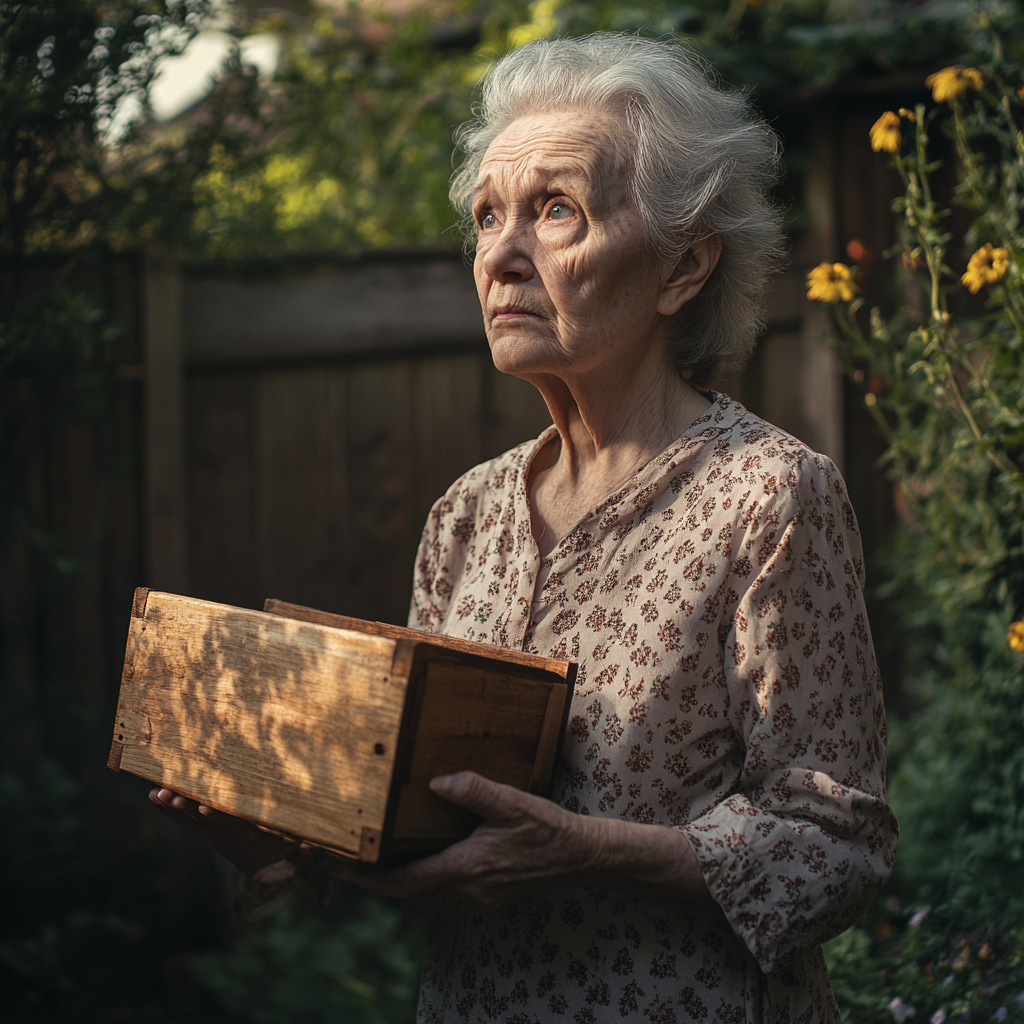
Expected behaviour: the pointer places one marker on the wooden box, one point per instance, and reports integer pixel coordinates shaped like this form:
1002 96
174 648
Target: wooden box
328 728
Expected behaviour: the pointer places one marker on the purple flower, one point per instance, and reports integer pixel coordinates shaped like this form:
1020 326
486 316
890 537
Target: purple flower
1000 1014
1020 999
948 979
919 917
938 1016
901 1010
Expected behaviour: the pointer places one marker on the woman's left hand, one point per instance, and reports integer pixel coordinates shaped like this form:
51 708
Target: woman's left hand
523 842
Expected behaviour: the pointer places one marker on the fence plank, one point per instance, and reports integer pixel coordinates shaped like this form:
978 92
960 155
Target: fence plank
516 412
223 542
448 438
383 525
403 304
297 522
166 552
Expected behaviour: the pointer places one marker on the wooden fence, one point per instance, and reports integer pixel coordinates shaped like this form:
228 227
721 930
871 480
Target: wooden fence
293 426
315 443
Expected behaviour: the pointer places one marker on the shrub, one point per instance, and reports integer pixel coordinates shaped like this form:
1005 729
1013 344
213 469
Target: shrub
946 389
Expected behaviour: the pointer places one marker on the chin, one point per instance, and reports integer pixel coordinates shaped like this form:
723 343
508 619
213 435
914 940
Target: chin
522 356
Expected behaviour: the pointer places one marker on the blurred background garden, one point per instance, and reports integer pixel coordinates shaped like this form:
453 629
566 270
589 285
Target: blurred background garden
240 355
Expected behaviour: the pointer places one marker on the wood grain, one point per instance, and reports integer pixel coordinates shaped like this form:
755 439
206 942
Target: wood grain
290 724
564 669
473 720
552 732
464 716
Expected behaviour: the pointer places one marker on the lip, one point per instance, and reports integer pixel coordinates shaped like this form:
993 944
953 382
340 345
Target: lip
510 311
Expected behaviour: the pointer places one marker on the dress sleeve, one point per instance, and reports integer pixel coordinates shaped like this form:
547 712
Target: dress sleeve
795 855
426 608
447 544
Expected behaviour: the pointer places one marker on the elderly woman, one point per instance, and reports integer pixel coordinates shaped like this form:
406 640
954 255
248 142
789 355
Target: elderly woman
718 809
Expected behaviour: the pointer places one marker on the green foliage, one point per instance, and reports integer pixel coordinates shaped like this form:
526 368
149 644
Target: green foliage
85 928
56 366
928 971
358 124
78 177
300 969
948 395
349 146
66 70
777 45
111 917
356 129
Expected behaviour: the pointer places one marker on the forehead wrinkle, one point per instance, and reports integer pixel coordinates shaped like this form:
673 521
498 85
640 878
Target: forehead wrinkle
594 158
602 182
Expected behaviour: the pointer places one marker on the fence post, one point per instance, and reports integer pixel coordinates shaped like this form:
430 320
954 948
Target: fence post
164 451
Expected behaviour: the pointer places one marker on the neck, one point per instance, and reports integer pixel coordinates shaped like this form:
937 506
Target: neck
612 423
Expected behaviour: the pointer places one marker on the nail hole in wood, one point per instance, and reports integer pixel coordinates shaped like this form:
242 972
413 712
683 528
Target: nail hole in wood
120 736
378 748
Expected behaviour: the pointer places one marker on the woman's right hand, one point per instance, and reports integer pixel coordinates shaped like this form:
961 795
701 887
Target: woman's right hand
242 842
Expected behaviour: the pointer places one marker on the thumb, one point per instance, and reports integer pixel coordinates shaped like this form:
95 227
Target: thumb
491 800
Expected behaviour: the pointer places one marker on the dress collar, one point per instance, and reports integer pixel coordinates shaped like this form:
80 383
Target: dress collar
637 494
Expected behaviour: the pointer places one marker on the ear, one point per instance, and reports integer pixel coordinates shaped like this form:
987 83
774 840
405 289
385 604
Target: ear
688 276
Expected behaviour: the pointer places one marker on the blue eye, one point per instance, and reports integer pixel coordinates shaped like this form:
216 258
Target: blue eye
559 211
488 220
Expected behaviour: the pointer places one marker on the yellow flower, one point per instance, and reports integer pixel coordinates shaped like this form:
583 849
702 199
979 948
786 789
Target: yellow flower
1016 636
952 83
986 266
885 133
831 282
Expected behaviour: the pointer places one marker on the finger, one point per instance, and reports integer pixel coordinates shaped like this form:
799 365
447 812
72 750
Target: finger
169 798
188 812
179 816
188 809
183 803
491 800
197 812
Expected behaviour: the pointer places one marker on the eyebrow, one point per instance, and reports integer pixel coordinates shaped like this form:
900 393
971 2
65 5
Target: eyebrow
544 173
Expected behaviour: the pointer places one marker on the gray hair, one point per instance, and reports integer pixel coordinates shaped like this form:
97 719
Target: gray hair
702 164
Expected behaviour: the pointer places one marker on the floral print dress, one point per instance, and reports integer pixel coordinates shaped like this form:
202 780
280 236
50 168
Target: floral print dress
727 688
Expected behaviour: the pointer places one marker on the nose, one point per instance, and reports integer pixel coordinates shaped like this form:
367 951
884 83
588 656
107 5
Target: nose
506 259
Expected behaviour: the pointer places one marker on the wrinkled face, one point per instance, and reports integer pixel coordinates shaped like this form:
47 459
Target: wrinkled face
560 268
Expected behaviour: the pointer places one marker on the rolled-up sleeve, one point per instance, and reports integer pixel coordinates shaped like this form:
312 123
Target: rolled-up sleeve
795 855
